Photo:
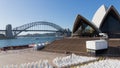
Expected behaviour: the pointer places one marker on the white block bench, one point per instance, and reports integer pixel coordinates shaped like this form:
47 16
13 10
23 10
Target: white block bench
96 46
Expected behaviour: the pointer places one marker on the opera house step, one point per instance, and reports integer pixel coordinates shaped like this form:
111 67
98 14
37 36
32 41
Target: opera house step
69 45
78 46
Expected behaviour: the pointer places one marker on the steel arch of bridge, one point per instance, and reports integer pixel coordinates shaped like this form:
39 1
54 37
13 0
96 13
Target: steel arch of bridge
24 27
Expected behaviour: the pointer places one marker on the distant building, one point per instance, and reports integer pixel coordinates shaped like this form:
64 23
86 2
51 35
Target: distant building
105 20
2 36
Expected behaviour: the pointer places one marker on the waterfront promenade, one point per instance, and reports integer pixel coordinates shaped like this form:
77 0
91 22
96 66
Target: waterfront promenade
53 50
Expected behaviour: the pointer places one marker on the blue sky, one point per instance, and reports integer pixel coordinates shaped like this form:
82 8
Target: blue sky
61 12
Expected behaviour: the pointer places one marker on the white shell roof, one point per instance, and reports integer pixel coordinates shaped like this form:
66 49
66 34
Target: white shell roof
99 15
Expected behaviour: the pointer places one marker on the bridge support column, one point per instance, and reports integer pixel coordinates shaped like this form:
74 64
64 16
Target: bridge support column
8 31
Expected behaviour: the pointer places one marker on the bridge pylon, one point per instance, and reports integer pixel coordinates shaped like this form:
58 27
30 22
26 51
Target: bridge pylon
8 31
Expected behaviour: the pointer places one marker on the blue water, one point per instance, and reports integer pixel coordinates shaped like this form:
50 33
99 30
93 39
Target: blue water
26 40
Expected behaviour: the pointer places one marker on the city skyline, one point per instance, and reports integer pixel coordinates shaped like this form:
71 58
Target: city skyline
60 12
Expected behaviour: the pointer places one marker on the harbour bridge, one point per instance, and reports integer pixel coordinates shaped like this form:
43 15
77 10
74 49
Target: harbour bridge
41 26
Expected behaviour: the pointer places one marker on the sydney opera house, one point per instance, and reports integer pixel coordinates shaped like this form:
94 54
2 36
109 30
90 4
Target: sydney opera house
105 20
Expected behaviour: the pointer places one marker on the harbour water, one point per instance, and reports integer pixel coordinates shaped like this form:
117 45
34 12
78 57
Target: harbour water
26 41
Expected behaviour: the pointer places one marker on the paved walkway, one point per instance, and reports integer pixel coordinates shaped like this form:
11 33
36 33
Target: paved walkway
25 56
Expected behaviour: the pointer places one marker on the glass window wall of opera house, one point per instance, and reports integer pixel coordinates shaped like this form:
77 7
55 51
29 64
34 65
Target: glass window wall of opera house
105 20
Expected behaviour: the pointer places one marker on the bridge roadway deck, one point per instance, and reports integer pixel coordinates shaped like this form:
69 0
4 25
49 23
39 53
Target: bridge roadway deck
35 30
